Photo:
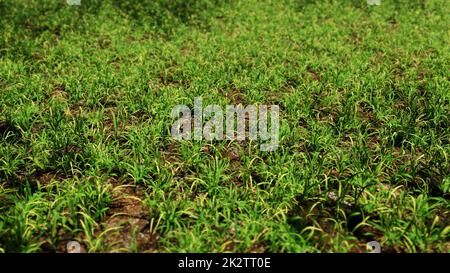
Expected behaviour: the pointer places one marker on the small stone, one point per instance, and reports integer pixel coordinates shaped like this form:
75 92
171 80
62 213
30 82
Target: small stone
374 247
73 247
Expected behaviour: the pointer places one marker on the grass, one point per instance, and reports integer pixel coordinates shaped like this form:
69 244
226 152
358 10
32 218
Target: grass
86 152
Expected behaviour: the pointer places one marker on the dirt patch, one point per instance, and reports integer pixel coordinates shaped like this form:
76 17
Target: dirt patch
127 221
365 112
354 38
59 93
45 178
171 153
234 95
234 152
393 24
313 74
7 129
234 155
184 51
322 214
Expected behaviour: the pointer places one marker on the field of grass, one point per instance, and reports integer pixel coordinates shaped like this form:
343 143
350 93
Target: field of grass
86 94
